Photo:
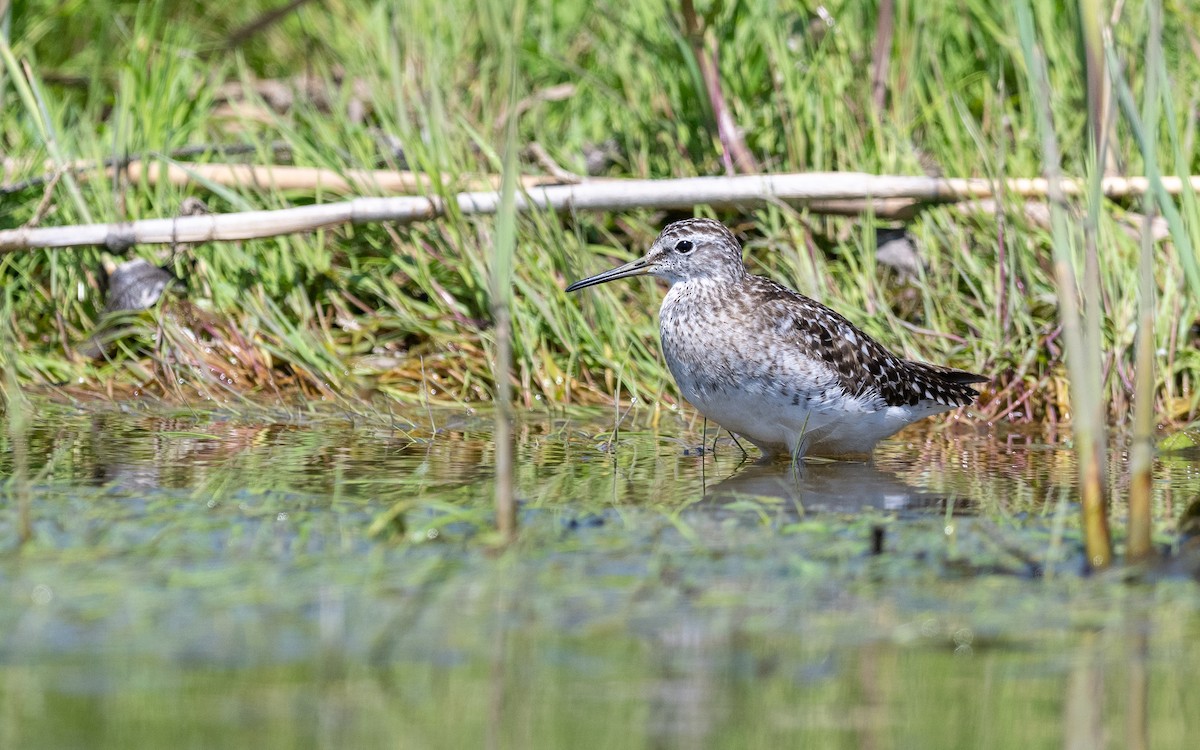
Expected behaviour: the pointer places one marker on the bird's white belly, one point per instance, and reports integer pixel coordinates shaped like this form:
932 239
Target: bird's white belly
777 426
846 428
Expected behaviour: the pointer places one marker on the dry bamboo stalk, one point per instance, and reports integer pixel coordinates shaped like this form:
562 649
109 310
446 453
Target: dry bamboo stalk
407 182
272 176
743 192
308 178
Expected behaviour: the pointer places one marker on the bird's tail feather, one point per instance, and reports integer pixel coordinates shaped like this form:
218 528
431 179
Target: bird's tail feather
945 385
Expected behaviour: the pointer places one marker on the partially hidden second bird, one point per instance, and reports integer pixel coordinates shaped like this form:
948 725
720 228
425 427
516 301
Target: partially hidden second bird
789 374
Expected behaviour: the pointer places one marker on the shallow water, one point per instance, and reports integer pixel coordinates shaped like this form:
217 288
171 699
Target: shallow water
328 579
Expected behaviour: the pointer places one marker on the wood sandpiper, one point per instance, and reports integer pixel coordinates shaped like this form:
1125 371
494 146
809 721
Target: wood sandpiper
786 372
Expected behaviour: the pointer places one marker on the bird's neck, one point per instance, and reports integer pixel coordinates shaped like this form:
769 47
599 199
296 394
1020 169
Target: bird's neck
699 293
711 281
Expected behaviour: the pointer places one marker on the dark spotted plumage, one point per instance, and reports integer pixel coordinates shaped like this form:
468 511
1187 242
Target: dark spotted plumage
861 363
785 371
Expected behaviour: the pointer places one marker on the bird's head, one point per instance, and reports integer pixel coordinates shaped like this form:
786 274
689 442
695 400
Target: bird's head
688 250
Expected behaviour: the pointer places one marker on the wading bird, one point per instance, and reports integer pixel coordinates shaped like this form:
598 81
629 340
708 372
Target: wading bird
789 374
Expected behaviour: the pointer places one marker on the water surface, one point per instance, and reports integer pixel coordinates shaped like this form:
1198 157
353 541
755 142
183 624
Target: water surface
328 578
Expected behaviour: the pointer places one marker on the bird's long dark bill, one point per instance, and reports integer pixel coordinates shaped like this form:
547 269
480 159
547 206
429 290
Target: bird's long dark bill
638 267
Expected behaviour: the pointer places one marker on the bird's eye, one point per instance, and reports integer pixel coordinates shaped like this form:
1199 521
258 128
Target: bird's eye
683 247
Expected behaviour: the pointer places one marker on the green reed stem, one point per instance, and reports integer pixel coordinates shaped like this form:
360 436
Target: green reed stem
501 302
1139 545
1082 355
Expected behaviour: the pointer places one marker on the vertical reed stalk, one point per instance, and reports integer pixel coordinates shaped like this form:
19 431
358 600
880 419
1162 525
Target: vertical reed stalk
881 53
1141 458
506 509
501 300
1095 487
1098 93
1080 336
1141 461
15 407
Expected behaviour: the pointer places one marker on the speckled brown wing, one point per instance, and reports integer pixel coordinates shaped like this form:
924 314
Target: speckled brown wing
863 367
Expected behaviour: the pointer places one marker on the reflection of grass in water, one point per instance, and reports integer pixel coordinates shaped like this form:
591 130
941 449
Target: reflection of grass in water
406 311
409 481
692 677
319 463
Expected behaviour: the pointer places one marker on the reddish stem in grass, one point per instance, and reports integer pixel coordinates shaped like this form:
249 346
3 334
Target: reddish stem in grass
882 53
736 154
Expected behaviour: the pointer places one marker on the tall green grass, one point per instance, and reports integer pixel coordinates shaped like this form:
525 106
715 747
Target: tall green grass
406 311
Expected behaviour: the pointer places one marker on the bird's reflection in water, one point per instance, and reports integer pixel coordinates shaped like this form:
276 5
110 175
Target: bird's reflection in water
829 487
